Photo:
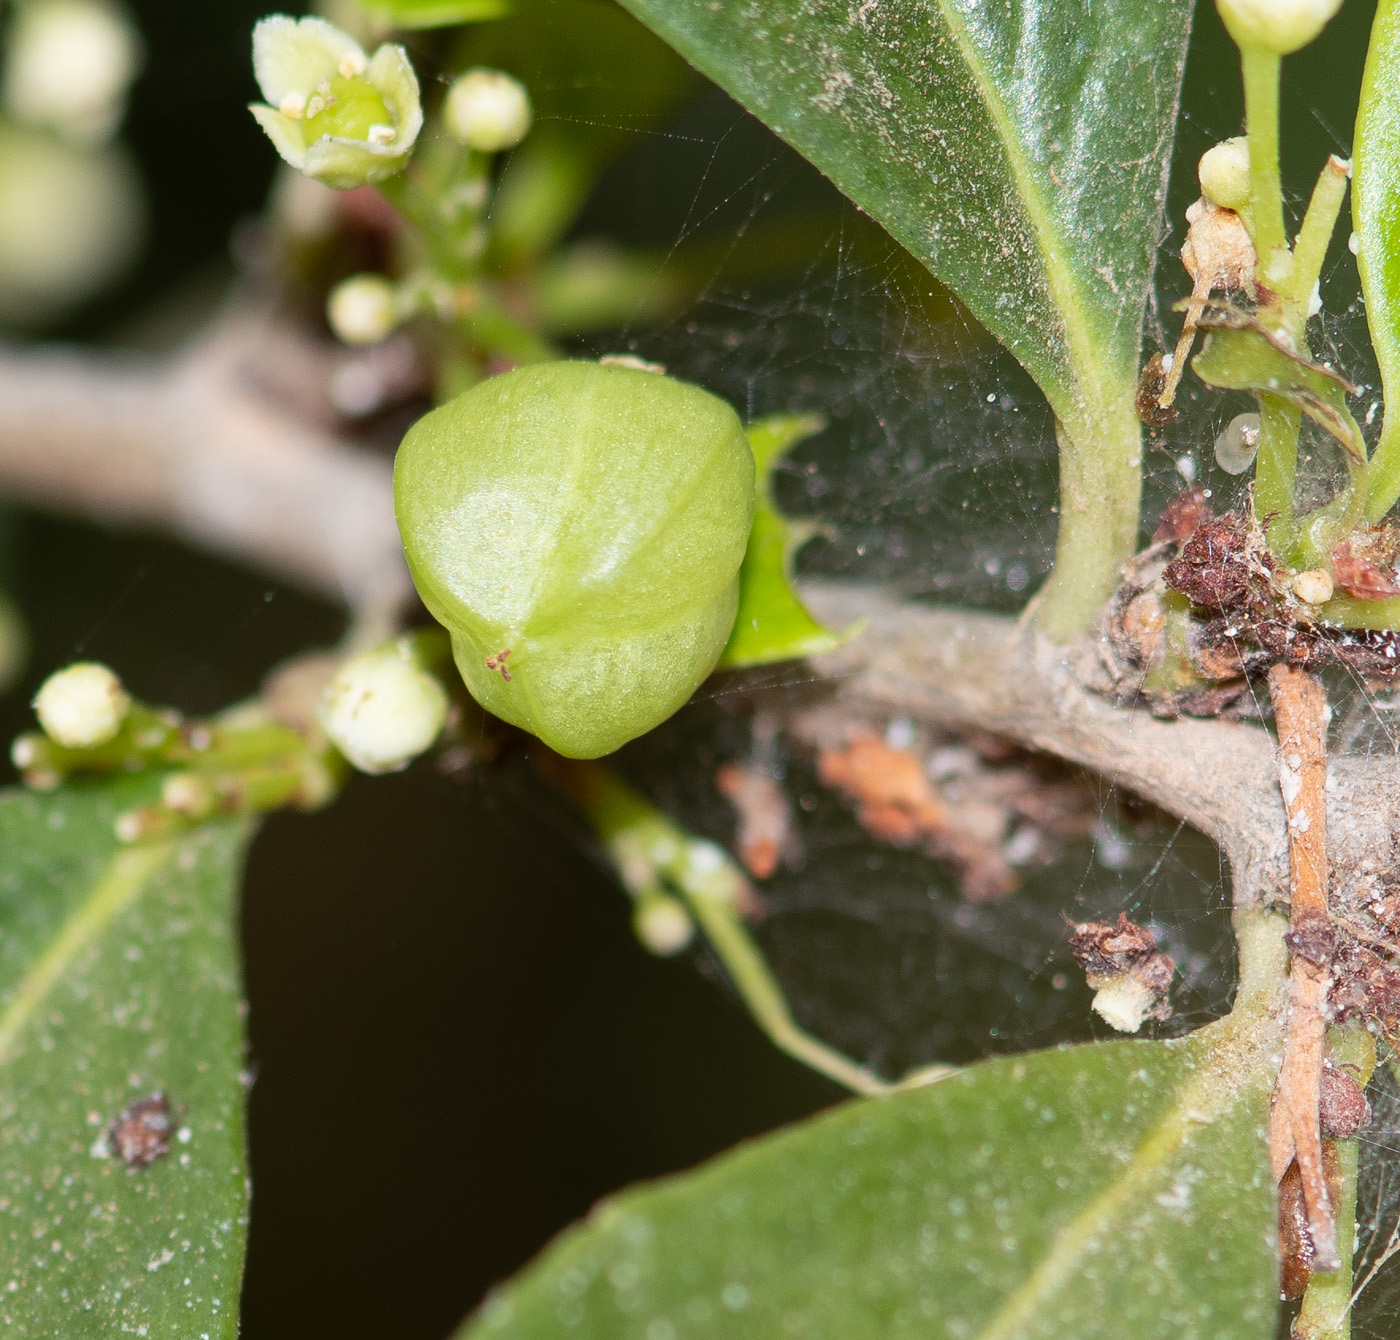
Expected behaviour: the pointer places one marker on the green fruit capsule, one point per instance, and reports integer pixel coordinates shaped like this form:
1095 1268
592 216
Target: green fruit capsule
578 529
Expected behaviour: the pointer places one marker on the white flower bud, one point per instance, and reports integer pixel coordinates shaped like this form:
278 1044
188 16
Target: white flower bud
662 924
82 706
1224 174
363 309
1280 26
69 65
487 110
382 708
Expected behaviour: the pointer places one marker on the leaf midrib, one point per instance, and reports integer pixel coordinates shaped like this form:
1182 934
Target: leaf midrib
1236 1050
126 876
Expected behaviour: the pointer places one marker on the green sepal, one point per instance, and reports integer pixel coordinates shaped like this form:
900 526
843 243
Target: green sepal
772 623
1240 355
436 13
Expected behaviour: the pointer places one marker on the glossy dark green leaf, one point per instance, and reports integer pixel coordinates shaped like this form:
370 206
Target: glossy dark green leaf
118 978
1094 1193
1375 190
772 623
1019 150
436 13
1242 357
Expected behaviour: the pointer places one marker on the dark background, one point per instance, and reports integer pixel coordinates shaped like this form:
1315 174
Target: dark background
457 1044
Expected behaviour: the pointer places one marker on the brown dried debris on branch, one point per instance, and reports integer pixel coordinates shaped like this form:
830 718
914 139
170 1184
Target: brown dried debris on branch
974 802
766 833
1131 980
1208 607
1226 569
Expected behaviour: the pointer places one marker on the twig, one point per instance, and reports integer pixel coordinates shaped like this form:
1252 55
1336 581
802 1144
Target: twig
1300 704
202 446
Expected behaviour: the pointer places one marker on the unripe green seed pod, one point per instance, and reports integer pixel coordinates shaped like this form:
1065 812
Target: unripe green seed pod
578 528
1224 174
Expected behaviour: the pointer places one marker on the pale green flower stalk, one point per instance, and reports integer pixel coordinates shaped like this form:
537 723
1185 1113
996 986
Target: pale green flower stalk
334 113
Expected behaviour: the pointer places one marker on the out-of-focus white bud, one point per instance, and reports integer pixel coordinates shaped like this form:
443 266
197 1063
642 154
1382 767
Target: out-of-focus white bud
662 924
487 110
70 221
363 309
69 64
383 708
1224 174
1280 26
82 705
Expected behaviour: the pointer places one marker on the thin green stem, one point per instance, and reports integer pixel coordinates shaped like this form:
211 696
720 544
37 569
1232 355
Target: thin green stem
1314 237
1261 77
1100 492
654 855
1276 468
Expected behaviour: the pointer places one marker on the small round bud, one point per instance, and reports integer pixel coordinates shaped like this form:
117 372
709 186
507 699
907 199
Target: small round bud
1279 26
1224 174
662 924
363 309
82 706
382 708
487 110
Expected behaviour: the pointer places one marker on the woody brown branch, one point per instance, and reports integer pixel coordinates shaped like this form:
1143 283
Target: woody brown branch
1300 706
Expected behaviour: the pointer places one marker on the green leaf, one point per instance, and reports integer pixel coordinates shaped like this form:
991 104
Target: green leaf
1240 355
1093 1193
118 977
1020 151
436 13
1375 189
772 623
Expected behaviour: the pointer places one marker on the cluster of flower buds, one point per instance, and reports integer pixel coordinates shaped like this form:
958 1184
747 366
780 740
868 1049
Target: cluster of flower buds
242 762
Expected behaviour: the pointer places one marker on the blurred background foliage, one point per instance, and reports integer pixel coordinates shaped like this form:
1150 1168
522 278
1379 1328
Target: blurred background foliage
456 1044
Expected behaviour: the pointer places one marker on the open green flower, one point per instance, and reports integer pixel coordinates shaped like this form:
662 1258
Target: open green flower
334 114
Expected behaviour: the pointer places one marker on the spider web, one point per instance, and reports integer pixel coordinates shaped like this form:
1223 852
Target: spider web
935 476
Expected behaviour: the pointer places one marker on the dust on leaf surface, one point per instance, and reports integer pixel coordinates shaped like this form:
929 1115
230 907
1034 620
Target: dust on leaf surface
1020 151
1096 1191
118 980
